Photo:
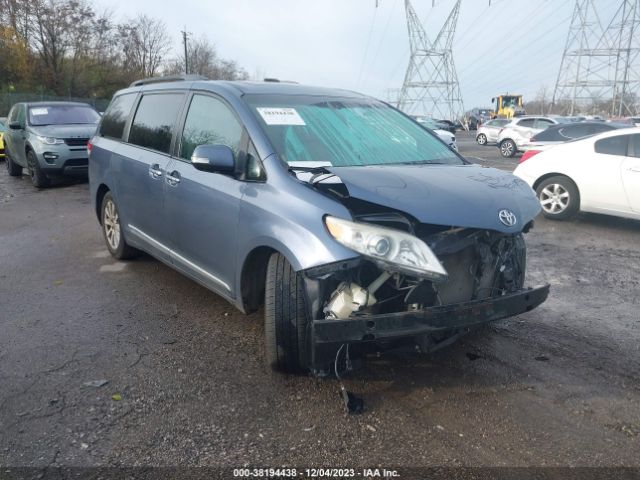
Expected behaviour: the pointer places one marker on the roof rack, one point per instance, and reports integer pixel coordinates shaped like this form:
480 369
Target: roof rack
167 78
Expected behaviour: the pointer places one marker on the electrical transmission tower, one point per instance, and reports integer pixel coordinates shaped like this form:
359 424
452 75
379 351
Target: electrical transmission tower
431 82
599 69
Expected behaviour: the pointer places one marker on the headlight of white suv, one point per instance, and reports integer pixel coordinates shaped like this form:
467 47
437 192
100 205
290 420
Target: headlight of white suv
393 249
50 140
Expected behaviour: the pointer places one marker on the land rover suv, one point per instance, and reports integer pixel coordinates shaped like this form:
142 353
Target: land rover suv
356 228
49 139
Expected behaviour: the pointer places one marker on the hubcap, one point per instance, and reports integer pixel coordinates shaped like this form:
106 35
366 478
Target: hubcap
482 140
554 198
111 225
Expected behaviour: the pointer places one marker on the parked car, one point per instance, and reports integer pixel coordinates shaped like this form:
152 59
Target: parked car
3 121
444 135
447 125
49 139
564 132
520 130
595 174
635 121
488 132
357 228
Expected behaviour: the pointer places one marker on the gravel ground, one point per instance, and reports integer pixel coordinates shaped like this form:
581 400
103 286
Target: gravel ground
186 382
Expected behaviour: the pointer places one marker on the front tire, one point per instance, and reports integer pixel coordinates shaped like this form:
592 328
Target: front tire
481 139
508 148
13 169
286 322
38 177
559 197
113 235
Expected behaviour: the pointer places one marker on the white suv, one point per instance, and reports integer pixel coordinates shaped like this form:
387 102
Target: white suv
519 131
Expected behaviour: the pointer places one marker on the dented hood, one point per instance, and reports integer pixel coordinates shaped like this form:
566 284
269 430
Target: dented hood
468 196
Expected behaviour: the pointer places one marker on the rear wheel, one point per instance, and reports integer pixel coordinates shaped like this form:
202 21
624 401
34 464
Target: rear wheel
508 148
286 321
117 245
559 197
38 177
13 169
481 139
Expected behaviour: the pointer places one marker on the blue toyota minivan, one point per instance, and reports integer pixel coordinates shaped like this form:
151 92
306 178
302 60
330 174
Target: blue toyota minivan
351 223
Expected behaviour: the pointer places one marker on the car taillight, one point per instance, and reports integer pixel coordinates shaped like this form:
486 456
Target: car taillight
89 147
528 154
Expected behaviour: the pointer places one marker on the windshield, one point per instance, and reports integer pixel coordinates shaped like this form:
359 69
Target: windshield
62 115
345 132
2 129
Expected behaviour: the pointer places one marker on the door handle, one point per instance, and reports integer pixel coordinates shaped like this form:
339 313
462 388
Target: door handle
154 171
173 178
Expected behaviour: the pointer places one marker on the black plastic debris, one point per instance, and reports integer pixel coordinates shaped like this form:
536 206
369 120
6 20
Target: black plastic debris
353 404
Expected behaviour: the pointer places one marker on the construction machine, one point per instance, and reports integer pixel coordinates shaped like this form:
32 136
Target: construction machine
507 106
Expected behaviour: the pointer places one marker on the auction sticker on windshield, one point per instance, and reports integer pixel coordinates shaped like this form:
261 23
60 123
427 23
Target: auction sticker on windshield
280 116
39 111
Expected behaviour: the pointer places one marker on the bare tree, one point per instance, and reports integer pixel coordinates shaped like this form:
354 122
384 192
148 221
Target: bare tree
145 43
203 60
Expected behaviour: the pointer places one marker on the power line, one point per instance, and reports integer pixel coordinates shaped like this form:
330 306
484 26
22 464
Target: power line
366 51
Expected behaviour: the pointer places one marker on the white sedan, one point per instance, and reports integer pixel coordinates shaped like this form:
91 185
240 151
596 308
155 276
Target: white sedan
597 174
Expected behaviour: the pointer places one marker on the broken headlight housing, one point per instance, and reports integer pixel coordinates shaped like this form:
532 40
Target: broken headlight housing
390 249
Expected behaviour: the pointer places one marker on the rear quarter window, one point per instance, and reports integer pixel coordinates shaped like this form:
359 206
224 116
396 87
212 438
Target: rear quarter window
613 145
115 118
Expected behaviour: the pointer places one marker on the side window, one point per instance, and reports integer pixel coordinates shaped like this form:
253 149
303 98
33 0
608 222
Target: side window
613 145
526 123
542 123
20 115
575 131
116 116
635 139
154 121
209 122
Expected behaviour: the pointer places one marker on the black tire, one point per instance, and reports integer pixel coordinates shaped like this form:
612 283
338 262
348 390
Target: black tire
13 169
119 248
559 197
508 148
481 139
38 177
286 321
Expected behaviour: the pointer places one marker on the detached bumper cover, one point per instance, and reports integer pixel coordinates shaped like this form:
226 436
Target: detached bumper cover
391 326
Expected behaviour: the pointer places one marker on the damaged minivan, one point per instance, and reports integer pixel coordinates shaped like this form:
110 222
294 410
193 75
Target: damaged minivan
350 223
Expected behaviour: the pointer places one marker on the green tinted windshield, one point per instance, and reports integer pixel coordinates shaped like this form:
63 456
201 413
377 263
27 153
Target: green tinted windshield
345 131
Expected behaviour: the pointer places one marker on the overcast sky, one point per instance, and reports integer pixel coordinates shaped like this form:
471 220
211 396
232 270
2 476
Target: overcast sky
512 46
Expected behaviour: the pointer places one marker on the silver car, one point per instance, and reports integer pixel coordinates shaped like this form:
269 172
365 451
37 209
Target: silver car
356 228
488 132
49 139
520 130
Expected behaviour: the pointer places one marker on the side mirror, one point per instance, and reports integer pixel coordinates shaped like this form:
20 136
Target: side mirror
15 126
214 158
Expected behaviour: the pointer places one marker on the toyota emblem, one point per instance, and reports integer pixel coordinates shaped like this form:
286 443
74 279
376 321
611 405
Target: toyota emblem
508 217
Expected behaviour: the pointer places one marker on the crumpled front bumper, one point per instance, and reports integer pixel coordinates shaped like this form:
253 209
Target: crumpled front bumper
330 334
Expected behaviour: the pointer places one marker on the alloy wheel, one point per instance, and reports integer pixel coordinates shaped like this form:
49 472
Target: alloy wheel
506 148
554 198
482 139
111 224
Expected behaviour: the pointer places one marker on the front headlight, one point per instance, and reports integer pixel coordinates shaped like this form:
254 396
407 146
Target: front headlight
394 249
50 140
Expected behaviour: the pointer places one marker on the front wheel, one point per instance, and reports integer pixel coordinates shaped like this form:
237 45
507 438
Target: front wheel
508 148
481 139
38 177
286 322
112 231
559 197
13 169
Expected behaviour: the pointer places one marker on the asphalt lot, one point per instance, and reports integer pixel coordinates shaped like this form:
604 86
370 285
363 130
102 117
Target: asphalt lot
187 385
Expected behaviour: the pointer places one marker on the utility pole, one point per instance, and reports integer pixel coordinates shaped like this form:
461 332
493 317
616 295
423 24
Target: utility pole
600 65
431 82
185 36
